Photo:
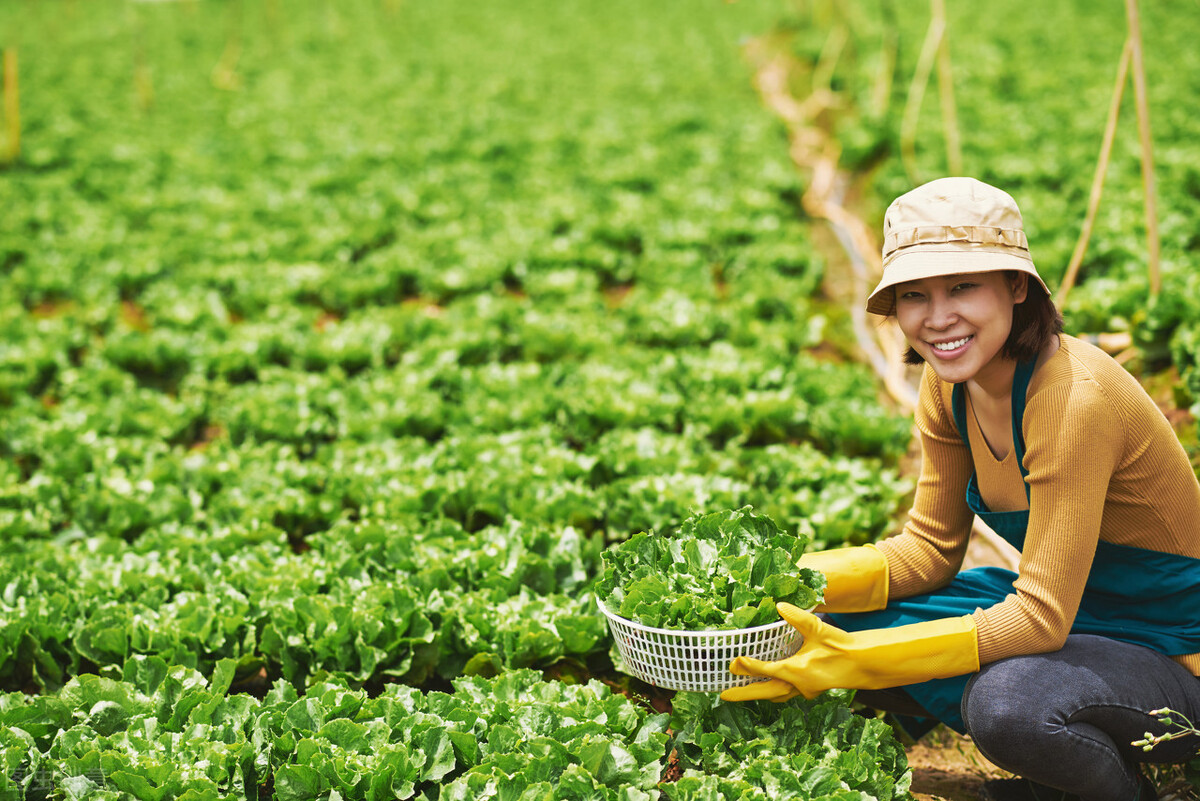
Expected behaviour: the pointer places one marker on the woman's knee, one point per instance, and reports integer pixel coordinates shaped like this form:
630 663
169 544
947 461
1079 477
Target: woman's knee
998 711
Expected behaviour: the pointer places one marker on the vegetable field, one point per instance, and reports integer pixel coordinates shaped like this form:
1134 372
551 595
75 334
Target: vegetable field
340 341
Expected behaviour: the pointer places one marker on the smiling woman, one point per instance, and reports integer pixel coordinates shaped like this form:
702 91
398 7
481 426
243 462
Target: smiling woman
1062 453
962 326
960 323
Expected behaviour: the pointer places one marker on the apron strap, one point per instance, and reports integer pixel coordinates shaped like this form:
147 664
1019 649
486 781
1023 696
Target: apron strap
1021 378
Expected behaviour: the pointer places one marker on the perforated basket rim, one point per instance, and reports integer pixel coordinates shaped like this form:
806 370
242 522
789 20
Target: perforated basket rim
667 657
763 629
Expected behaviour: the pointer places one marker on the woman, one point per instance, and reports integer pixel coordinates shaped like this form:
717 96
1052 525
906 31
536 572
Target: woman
1052 670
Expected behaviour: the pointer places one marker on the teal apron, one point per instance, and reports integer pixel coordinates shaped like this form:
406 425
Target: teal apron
1132 594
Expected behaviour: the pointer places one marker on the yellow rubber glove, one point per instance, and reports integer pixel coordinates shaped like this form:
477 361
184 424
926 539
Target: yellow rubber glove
857 578
863 660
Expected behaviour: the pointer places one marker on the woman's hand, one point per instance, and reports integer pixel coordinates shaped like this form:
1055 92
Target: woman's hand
864 660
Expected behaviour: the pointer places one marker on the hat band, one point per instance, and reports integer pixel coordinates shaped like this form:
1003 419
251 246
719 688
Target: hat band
943 234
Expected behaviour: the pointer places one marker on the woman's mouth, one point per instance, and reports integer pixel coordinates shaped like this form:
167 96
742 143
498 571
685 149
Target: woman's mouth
951 347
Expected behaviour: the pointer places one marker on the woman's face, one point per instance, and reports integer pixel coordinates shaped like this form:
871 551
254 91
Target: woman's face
959 323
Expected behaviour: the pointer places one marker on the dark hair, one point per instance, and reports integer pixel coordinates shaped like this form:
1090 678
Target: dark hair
1035 320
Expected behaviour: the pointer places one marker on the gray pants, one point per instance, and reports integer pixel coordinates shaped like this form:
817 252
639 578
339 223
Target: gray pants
1068 719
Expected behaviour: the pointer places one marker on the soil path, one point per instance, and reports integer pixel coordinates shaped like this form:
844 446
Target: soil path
947 766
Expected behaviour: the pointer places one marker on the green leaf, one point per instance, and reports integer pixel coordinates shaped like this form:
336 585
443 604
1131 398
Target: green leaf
395 776
438 747
486 665
299 783
466 747
40 717
141 787
107 717
223 675
145 672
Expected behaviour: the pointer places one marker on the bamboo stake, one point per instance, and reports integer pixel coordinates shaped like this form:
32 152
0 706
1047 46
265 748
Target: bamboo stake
143 81
224 73
831 51
946 86
1143 113
881 95
1110 132
12 106
916 95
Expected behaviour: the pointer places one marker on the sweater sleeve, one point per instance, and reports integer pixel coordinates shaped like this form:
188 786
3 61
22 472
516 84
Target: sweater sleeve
1074 440
930 549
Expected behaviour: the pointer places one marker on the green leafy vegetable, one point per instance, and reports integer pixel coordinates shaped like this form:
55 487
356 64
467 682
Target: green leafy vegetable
721 570
798 749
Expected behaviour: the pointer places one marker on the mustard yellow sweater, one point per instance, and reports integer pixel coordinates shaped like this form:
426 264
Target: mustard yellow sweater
1103 463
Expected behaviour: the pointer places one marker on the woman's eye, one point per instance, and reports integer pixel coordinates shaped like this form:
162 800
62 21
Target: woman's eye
965 285
910 295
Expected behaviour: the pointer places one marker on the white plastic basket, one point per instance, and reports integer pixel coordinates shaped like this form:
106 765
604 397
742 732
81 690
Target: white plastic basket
697 661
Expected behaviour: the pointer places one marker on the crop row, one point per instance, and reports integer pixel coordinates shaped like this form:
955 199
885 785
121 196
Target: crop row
366 602
427 533
163 732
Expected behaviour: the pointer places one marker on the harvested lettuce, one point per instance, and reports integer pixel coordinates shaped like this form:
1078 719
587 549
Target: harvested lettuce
721 570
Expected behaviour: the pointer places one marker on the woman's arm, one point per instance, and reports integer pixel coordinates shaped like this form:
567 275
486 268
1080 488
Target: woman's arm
929 551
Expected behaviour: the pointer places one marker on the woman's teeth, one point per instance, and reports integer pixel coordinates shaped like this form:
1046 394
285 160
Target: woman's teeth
958 343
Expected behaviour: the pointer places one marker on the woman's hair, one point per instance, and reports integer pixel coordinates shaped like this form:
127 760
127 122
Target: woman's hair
1035 320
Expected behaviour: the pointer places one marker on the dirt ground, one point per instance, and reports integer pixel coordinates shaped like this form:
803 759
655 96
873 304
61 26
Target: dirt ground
947 766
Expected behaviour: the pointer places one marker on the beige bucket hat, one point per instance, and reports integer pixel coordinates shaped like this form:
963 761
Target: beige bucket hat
948 226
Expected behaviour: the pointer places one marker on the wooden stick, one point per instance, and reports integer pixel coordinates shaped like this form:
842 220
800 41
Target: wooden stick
881 94
1110 132
831 51
1143 114
946 88
224 72
143 82
916 94
12 106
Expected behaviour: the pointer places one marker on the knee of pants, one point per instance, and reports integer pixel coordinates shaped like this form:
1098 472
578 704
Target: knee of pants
994 710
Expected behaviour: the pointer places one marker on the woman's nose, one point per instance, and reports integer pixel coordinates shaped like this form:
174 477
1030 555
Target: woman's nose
941 314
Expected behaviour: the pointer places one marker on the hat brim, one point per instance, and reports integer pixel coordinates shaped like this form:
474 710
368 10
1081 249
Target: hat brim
946 259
